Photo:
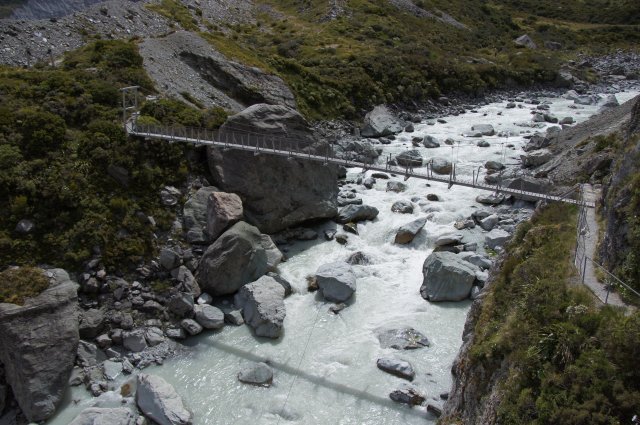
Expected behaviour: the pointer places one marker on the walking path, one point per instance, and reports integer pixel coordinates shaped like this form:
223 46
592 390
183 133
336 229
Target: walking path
590 239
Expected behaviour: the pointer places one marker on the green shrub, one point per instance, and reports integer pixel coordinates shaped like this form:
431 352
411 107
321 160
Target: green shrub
18 283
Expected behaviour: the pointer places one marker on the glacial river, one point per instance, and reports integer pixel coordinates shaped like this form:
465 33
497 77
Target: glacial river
325 364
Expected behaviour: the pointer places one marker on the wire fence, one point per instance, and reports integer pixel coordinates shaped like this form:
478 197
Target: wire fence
585 264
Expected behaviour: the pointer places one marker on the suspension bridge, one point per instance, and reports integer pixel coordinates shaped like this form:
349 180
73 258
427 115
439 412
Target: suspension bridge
291 148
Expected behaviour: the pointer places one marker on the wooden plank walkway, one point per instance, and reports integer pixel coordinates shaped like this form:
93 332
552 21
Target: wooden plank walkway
286 147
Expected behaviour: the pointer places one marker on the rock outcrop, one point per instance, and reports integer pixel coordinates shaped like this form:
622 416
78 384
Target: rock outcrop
195 215
207 75
262 304
236 258
38 349
159 401
270 186
406 233
447 277
223 210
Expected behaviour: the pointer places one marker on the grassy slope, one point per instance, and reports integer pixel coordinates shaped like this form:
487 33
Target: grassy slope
568 362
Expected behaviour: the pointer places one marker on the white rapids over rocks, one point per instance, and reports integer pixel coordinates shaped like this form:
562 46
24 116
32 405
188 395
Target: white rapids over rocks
337 381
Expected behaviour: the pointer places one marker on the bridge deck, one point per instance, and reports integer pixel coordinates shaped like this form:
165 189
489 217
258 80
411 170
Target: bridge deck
196 139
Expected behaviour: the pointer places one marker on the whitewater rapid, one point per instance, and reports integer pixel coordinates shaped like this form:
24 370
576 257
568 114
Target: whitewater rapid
325 364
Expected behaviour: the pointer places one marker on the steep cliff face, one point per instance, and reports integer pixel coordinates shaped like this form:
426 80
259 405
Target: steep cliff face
619 248
38 349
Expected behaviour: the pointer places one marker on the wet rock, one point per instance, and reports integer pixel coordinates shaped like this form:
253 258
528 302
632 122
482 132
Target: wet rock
223 210
408 232
378 175
191 326
336 281
337 308
351 228
430 142
105 416
411 158
111 369
434 410
494 165
407 395
259 374
447 277
381 122
88 354
355 213
274 255
160 402
395 186
358 259
329 235
441 165
282 281
342 238
399 368
496 238
402 339
39 342
237 257
484 129
209 317
369 182
483 144
263 308
403 207
537 141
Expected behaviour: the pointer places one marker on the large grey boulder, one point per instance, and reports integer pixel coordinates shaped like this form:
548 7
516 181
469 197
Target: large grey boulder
537 141
159 401
402 338
430 142
410 158
447 277
407 232
273 253
336 281
105 416
223 210
39 341
484 129
528 184
355 213
259 374
402 206
91 323
496 238
195 215
263 307
381 122
441 165
536 158
611 101
270 186
236 258
399 368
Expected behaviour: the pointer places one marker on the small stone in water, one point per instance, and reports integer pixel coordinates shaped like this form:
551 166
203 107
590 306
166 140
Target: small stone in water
337 308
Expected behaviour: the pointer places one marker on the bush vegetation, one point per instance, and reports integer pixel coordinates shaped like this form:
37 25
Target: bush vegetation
61 140
569 362
18 283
